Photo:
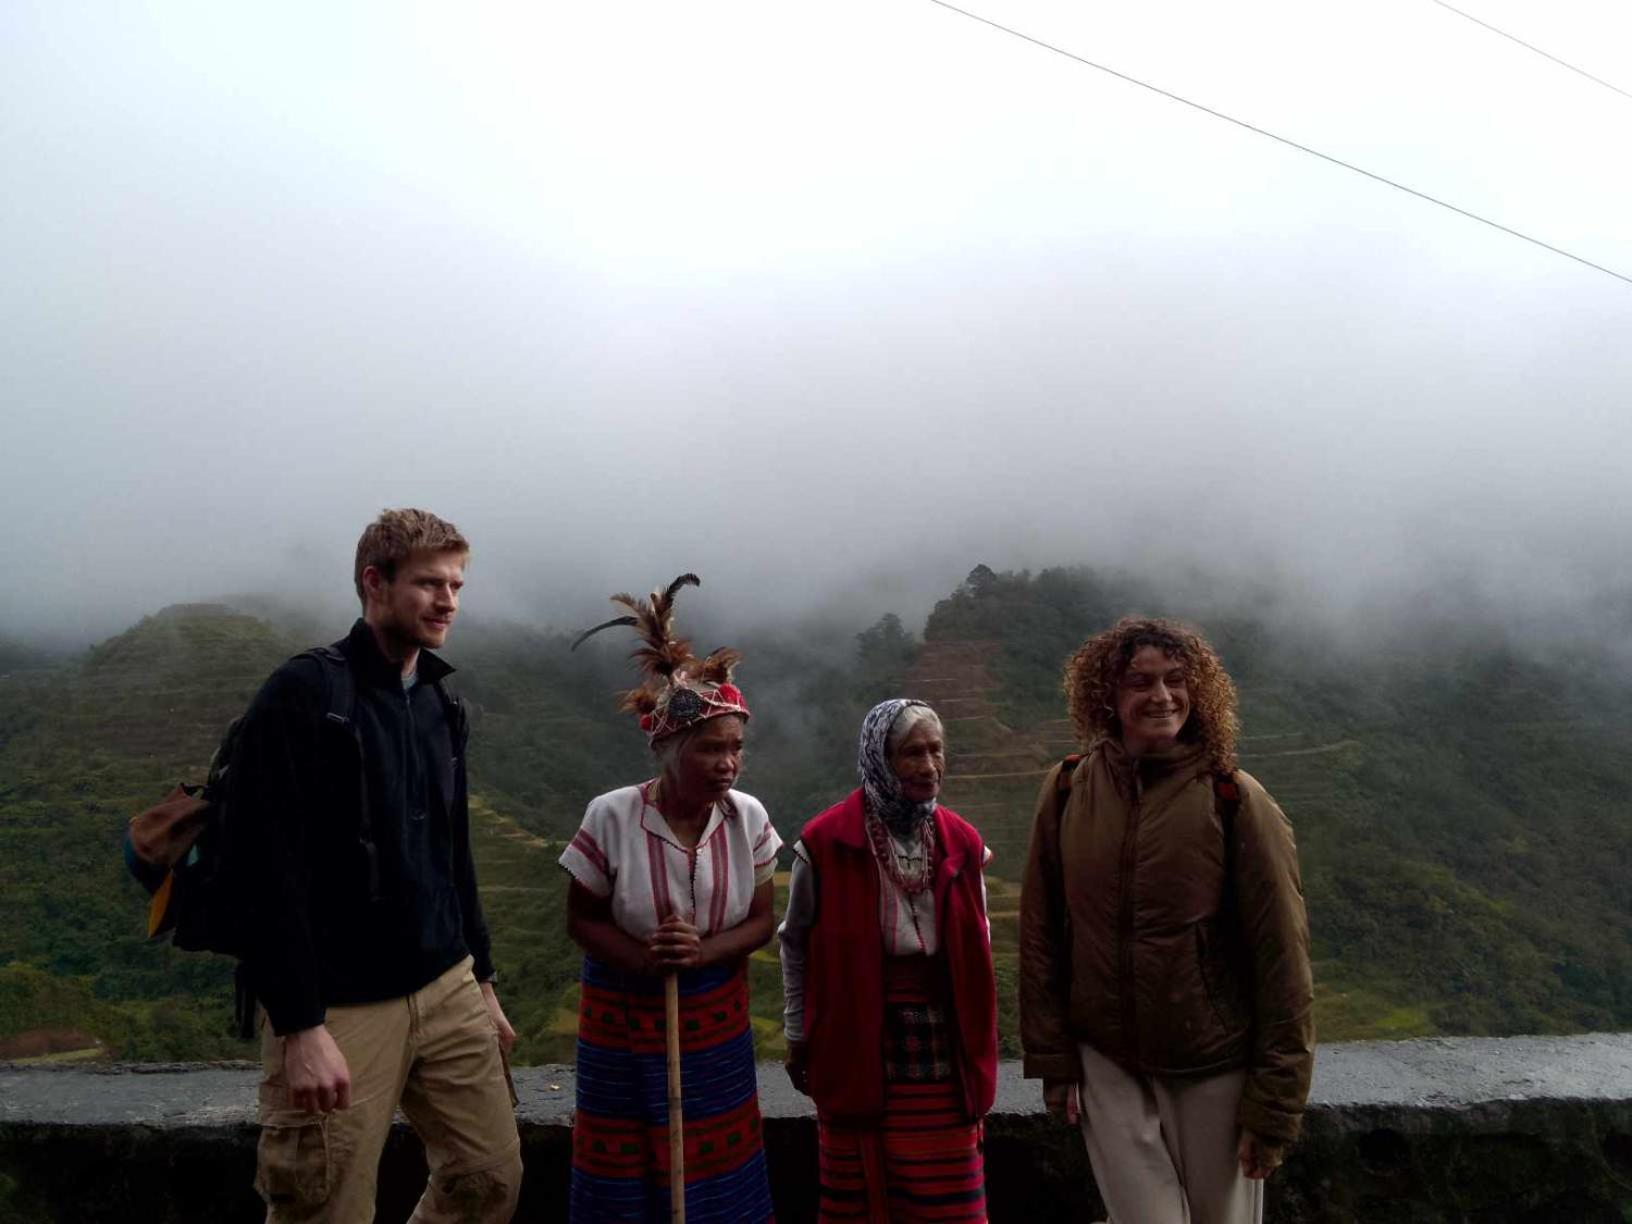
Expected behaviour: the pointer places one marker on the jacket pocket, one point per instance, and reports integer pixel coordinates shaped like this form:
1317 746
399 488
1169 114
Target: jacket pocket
292 1163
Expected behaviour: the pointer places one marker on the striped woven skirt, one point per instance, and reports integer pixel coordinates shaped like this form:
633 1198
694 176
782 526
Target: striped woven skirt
925 1161
620 1133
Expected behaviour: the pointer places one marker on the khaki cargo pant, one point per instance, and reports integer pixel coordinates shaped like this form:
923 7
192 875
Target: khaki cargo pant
436 1053
1163 1148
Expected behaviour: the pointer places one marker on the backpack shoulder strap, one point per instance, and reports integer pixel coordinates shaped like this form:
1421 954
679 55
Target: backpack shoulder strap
340 706
1062 792
1227 802
339 689
1062 796
1062 782
1227 793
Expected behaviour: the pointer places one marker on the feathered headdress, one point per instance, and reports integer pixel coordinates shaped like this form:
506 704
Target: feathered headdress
680 690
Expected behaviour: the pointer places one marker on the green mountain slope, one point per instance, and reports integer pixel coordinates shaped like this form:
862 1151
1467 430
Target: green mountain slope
1460 804
84 746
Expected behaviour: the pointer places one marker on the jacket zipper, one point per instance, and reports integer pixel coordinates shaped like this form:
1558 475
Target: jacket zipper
410 743
426 781
1130 1014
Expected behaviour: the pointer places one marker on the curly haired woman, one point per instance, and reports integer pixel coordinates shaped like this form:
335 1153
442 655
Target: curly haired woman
1165 988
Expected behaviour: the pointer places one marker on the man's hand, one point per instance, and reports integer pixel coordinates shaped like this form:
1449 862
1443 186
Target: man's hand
676 944
1060 1099
797 1065
315 1072
507 1035
1258 1158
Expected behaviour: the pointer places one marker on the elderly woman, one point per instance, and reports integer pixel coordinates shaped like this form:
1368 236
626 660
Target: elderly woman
672 876
887 971
1164 951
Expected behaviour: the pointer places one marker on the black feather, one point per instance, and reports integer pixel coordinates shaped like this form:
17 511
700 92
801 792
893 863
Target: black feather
683 580
589 633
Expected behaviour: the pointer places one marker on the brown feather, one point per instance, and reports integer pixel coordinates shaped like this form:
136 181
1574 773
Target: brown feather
716 669
642 700
660 653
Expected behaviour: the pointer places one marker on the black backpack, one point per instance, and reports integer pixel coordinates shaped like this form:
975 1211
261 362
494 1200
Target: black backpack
182 849
183 853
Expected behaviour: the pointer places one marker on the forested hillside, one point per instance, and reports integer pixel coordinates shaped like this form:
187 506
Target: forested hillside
82 747
1460 802
85 744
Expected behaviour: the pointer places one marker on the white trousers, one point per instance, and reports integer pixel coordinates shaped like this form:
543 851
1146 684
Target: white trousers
1163 1148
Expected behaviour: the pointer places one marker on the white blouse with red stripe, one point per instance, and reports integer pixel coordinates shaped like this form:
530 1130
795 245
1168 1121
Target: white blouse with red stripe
625 850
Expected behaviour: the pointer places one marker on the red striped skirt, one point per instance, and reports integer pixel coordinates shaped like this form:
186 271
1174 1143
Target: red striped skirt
924 1160
620 1133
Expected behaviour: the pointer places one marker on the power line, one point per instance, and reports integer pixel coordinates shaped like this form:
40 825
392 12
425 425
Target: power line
1537 50
1302 148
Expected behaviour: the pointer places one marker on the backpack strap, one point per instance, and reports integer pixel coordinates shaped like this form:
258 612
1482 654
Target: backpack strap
1062 796
1062 783
340 706
1227 794
1227 802
339 689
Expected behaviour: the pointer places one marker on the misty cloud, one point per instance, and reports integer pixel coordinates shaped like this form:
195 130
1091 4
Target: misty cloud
827 306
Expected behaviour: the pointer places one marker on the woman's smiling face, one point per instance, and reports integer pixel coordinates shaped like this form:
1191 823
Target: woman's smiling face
1152 701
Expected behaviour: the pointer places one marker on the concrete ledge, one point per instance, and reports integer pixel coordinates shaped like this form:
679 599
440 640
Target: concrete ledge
1521 1129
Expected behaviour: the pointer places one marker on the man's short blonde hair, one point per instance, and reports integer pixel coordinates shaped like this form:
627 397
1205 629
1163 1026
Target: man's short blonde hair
396 535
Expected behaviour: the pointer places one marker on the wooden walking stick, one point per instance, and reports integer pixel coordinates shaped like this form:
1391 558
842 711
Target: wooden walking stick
677 1137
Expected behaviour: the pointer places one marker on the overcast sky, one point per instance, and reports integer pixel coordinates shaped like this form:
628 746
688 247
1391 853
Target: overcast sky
815 299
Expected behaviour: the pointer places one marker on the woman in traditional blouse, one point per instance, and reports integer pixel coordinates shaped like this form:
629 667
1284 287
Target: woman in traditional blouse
891 1006
671 876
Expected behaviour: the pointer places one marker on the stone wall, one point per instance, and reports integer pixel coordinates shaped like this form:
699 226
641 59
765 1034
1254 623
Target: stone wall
1519 1130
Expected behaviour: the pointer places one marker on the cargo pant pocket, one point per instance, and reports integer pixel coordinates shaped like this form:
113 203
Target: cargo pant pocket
504 1058
292 1163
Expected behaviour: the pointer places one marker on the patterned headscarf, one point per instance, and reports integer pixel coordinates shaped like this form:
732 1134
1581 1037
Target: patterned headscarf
878 781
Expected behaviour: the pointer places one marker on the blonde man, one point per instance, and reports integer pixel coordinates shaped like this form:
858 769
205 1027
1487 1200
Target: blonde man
366 945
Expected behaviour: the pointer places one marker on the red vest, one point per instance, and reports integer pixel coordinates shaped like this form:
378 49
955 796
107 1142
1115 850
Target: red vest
844 964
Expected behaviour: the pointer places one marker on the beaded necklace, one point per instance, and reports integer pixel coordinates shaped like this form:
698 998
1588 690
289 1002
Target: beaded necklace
912 870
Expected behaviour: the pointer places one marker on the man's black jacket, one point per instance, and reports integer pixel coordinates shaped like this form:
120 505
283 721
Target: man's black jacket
323 928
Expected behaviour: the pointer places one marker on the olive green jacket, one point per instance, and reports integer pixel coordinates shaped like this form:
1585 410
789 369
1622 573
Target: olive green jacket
1143 936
